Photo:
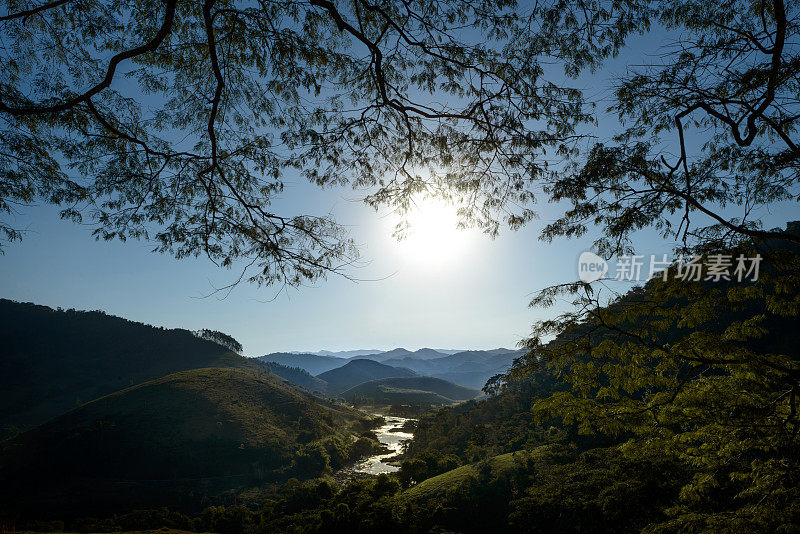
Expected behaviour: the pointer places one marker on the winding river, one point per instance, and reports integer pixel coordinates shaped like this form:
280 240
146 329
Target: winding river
392 435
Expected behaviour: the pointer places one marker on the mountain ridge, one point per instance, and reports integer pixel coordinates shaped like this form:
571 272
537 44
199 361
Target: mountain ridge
359 371
470 368
54 360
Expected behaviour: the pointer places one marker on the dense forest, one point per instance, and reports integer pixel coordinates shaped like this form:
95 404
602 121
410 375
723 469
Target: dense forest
56 360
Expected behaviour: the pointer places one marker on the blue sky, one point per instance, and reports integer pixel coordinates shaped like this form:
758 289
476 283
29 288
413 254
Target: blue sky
477 299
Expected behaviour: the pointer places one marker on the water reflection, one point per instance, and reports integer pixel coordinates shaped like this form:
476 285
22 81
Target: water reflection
392 435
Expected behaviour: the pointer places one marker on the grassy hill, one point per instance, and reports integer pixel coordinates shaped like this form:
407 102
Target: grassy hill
409 390
437 486
359 371
53 360
175 440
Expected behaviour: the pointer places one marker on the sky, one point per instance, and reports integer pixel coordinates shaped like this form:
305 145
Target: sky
449 290
474 296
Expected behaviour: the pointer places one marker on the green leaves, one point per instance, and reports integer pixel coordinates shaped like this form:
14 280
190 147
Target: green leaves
708 372
209 107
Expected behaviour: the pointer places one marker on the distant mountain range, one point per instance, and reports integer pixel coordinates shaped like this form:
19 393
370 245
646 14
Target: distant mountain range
358 371
340 353
470 368
367 352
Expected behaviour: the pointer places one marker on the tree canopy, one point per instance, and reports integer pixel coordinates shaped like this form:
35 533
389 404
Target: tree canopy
710 133
182 127
178 121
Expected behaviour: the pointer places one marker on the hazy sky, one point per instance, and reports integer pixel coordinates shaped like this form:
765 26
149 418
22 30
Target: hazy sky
476 297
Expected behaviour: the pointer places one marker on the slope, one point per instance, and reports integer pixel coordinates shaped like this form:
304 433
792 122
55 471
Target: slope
176 439
359 371
410 390
54 360
295 375
310 362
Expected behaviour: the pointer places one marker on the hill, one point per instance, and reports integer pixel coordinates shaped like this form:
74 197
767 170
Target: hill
359 371
437 486
421 354
175 440
409 390
309 362
295 375
55 360
468 368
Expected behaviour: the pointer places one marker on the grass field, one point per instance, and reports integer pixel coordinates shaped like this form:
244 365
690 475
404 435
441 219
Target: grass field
436 487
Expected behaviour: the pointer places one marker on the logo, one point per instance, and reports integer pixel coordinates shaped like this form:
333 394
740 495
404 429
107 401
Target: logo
591 267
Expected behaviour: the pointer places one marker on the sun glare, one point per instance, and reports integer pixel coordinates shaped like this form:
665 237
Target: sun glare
433 239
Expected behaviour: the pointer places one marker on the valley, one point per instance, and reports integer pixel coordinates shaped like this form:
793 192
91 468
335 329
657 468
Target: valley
120 416
394 434
185 433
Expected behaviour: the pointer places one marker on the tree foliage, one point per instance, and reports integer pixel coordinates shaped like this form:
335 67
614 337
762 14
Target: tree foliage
179 121
183 127
710 132
705 372
220 338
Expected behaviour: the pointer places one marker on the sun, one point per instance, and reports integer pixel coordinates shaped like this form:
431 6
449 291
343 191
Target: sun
433 239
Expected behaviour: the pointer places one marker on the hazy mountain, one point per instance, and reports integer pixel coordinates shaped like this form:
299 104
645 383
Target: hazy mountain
364 352
390 354
138 447
421 354
347 353
426 354
358 371
468 368
54 360
409 390
310 362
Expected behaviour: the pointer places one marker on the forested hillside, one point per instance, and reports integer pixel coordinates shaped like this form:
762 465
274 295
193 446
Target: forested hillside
681 390
295 375
56 360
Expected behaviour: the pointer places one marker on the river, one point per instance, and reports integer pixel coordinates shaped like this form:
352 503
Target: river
391 435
